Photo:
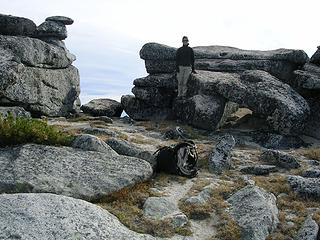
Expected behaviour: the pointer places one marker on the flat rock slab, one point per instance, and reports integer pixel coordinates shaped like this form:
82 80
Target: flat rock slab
49 216
258 169
103 107
256 212
283 108
305 187
68 171
156 51
61 19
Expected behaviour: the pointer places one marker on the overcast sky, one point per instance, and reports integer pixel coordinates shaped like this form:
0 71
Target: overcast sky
107 34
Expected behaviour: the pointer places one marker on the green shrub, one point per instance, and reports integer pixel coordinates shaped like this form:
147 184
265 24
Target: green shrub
27 130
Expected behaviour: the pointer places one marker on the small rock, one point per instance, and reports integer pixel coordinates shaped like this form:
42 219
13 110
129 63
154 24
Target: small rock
280 159
103 107
52 29
99 131
306 187
258 169
92 143
311 173
175 133
309 230
123 147
162 208
105 119
220 157
60 19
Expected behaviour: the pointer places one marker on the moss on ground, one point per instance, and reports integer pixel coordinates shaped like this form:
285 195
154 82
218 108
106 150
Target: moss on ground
27 130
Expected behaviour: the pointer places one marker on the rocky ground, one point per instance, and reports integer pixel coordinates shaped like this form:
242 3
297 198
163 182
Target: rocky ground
253 197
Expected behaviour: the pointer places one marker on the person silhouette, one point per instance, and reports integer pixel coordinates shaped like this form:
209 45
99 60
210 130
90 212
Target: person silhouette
184 66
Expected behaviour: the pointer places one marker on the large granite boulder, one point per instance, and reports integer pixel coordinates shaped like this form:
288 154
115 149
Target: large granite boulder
281 62
16 26
141 110
283 108
50 217
68 171
103 107
205 112
168 81
307 80
256 212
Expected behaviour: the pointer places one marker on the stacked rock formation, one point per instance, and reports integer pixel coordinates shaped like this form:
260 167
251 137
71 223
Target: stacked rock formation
36 70
258 80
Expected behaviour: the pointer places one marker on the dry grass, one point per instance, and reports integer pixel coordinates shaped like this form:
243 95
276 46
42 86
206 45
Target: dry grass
290 203
312 153
127 205
227 228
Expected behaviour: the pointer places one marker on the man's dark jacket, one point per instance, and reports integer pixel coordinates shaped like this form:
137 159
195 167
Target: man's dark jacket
185 57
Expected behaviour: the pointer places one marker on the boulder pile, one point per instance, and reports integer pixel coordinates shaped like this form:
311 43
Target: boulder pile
227 77
36 70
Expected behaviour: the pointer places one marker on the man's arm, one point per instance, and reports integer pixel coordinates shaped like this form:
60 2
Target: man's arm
177 60
192 60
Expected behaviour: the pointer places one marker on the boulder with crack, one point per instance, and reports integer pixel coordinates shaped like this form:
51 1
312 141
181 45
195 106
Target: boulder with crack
68 171
256 212
283 108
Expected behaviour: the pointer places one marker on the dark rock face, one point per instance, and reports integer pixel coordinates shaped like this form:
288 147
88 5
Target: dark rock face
15 111
283 108
139 110
158 97
16 26
52 29
103 107
306 187
202 111
256 212
280 159
316 57
312 173
221 155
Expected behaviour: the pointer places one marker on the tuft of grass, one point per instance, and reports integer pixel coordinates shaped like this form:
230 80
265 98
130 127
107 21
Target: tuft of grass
127 205
312 153
21 130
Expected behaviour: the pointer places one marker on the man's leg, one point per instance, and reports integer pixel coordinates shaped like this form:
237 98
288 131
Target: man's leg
185 78
180 79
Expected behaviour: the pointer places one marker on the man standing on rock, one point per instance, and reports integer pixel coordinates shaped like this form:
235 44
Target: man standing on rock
184 66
